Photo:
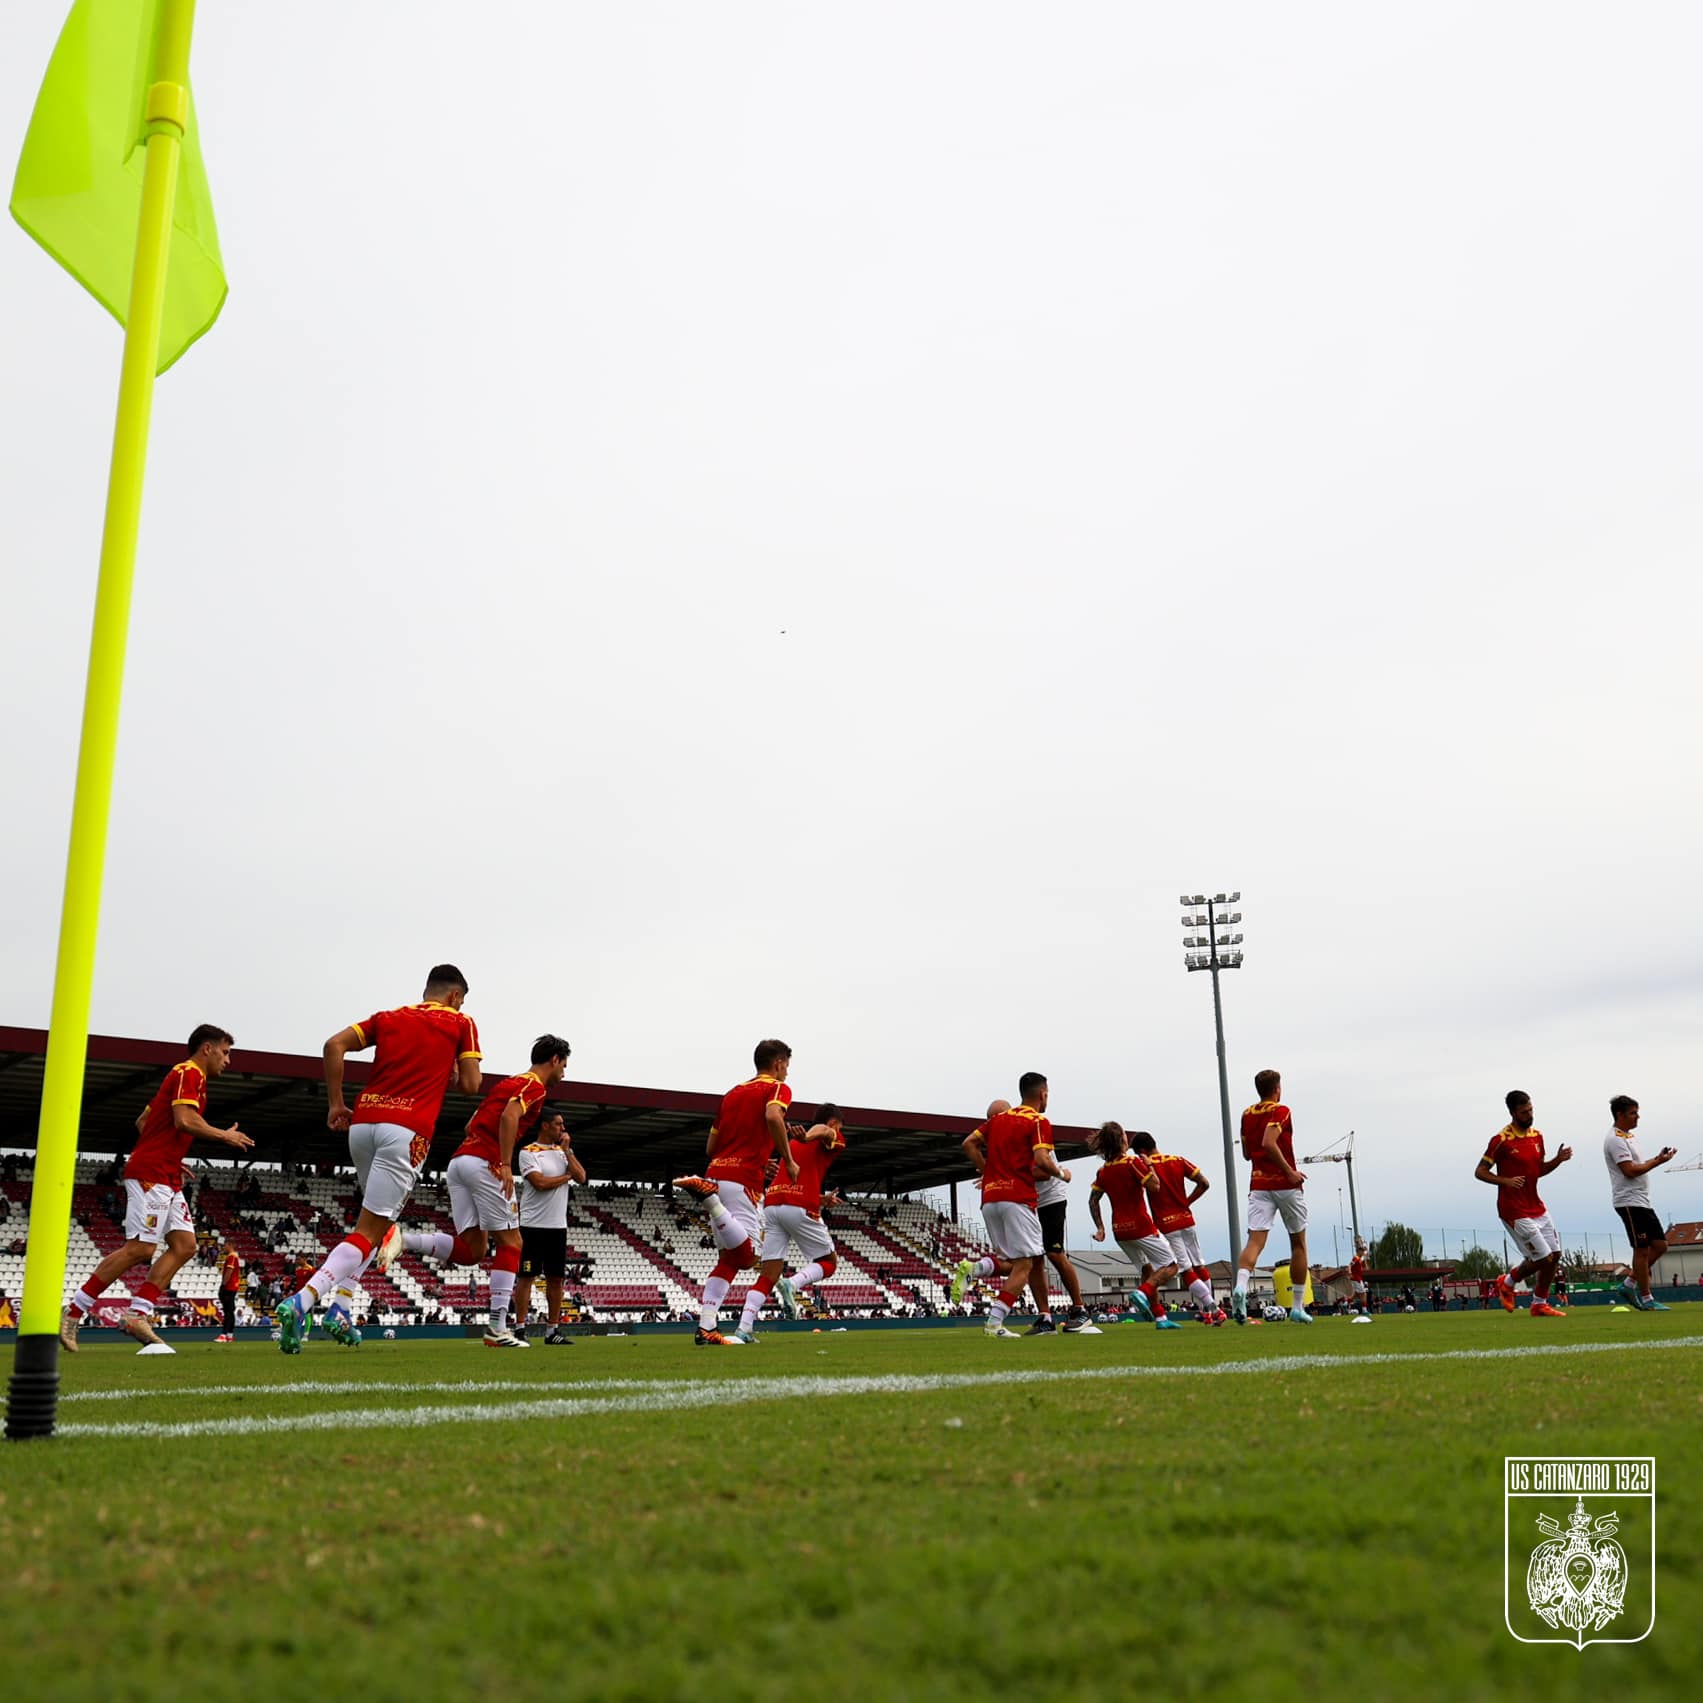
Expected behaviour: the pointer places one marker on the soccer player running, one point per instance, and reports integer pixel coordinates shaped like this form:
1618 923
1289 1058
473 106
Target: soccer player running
1172 1204
1012 1150
548 1165
419 1048
1512 1164
751 1125
1127 1179
1629 1190
792 1216
1274 1191
154 1207
480 1175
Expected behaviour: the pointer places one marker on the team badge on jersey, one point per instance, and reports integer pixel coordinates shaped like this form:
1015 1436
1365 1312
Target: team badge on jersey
1579 1548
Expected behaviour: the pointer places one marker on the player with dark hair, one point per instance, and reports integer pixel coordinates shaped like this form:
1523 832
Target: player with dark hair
1052 1200
1512 1164
390 1132
1172 1202
792 1217
480 1176
751 1124
154 1206
1629 1190
1128 1181
1274 1191
548 1165
1012 1150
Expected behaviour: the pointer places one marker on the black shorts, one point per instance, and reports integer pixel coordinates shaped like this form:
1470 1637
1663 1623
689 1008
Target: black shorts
1642 1225
543 1251
1052 1225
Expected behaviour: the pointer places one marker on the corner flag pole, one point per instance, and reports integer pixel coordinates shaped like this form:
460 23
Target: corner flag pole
34 1392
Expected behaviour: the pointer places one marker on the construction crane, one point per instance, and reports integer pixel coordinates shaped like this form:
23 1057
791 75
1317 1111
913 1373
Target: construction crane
1332 1156
1690 1165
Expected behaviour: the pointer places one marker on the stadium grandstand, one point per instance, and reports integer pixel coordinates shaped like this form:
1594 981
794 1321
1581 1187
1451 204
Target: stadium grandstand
635 1250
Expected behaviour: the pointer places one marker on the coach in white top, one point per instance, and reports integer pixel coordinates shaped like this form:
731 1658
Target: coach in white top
546 1167
1630 1193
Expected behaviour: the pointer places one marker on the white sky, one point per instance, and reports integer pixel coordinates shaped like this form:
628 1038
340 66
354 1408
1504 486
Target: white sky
770 519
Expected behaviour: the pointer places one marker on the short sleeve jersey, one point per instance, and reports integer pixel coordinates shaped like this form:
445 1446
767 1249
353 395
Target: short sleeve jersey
481 1140
1268 1174
418 1048
1517 1153
743 1143
813 1159
1624 1190
543 1209
230 1273
161 1147
1050 1191
1010 1140
1357 1270
1121 1182
1171 1210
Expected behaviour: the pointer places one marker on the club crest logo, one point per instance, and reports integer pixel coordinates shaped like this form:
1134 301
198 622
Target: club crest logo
1580 1549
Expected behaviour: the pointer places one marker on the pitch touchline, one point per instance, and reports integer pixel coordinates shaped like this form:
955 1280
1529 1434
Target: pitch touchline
655 1397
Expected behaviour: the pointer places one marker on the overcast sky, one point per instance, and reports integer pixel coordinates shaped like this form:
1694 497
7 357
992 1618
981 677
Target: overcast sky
825 521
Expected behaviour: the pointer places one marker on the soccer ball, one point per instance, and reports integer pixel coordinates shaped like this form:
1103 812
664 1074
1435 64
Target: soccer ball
390 1336
1275 1315
1407 1309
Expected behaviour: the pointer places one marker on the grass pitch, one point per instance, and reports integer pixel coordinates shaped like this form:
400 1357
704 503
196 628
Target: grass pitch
899 1514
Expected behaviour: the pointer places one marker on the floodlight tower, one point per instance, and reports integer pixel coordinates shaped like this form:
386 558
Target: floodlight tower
1214 951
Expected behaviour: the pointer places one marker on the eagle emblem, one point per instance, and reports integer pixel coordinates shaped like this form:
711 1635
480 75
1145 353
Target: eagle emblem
1577 1578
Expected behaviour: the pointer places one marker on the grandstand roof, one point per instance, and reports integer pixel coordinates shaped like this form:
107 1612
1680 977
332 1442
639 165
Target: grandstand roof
622 1134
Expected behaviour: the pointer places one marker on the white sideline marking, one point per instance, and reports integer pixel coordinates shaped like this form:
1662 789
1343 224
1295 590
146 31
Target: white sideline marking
658 1396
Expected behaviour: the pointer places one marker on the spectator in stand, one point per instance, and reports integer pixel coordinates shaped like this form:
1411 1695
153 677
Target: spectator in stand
5 1208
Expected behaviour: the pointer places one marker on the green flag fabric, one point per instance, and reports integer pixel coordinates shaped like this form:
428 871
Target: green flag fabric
78 191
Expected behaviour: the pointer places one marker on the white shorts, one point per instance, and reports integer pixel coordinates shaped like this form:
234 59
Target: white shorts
798 1225
476 1198
744 1220
152 1214
384 1163
1266 1206
1148 1250
1013 1228
1536 1236
1185 1246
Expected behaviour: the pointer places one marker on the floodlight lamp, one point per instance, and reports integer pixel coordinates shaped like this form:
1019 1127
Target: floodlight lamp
1235 898
1198 899
1234 917
1219 899
1185 901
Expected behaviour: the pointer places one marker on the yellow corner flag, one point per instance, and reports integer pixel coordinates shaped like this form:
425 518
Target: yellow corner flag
118 85
79 185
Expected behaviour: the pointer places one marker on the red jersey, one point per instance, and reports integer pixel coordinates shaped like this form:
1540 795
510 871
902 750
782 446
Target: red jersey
1171 1208
743 1145
1011 1140
1268 1174
1120 1181
160 1149
1517 1153
305 1268
230 1273
481 1140
1357 1270
813 1159
418 1048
